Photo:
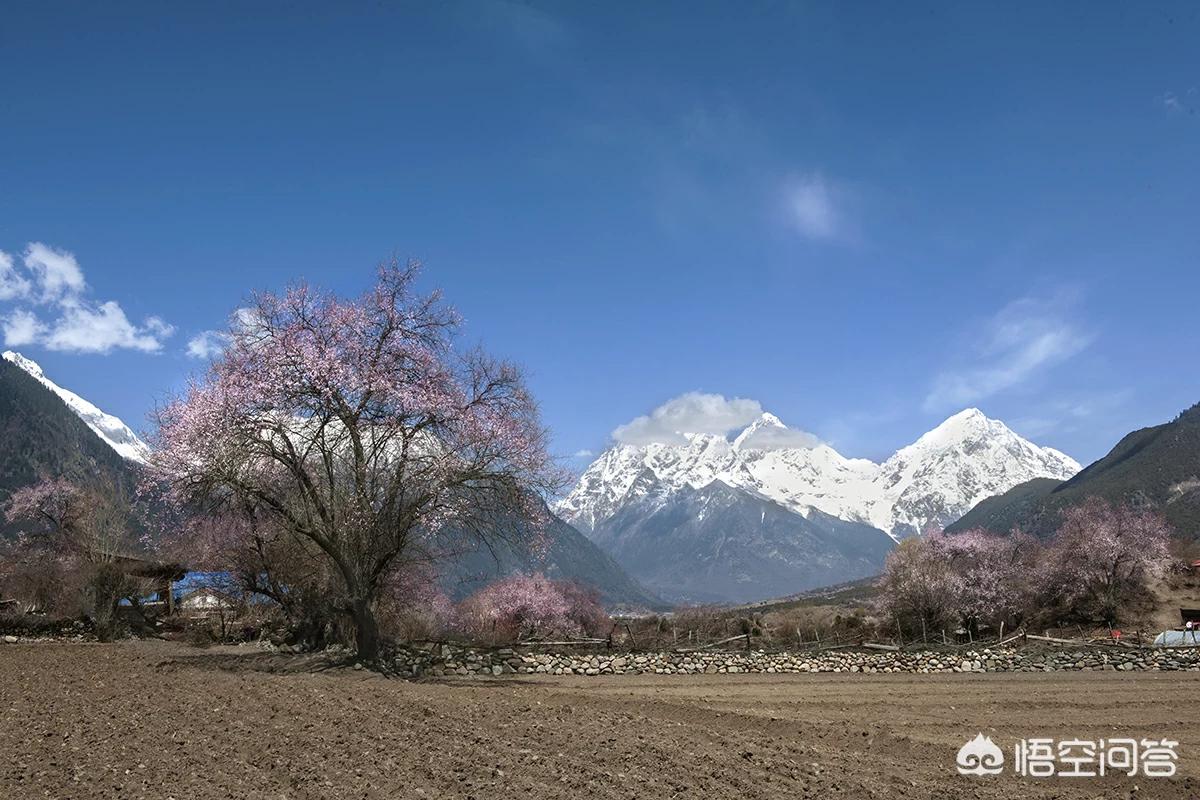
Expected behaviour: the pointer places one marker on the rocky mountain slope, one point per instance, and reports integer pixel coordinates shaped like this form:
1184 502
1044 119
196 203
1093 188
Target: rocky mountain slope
1156 468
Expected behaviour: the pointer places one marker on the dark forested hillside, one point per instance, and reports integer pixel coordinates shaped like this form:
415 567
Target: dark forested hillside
40 436
1157 468
567 555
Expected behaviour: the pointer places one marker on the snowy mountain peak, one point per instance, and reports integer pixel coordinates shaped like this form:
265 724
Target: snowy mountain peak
965 424
768 418
32 367
947 471
111 430
934 480
766 422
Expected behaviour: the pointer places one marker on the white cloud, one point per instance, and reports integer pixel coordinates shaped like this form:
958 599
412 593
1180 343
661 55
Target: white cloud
811 208
697 412
773 437
12 284
56 272
1181 103
207 344
99 329
21 328
694 412
75 323
1021 341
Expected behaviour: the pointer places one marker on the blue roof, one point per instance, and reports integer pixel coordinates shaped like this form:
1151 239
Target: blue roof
192 581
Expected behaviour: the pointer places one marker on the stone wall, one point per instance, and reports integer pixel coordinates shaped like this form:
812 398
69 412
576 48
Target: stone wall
445 660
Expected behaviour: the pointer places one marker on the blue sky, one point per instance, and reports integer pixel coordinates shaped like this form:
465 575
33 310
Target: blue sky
863 217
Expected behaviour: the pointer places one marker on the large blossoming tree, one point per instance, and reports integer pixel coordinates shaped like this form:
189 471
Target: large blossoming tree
358 428
941 579
1106 558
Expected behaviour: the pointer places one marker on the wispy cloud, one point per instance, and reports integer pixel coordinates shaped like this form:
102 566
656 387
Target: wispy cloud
582 454
1186 102
811 207
1070 415
46 304
207 344
12 284
712 165
1021 341
533 28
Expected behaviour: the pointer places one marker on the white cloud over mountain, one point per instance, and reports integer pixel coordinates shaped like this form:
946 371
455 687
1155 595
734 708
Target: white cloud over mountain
44 302
699 412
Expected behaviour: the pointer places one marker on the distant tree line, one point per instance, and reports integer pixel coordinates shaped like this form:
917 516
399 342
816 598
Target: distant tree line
1101 566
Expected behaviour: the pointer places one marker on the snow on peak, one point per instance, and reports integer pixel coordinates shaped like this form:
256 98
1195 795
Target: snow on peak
966 423
32 367
967 458
111 430
767 421
936 479
769 433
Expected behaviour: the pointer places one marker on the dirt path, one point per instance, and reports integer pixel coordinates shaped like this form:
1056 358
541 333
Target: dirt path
160 720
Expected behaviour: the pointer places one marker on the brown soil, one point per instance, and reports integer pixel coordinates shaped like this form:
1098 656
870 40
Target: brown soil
162 720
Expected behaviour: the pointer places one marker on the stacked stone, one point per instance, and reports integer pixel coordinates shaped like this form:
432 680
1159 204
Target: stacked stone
449 661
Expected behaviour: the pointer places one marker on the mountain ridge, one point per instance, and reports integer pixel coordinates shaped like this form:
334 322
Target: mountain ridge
1156 467
110 429
936 479
721 544
42 437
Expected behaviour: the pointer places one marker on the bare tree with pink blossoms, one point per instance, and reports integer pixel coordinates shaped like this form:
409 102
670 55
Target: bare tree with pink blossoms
943 579
918 590
522 606
995 573
1105 558
357 427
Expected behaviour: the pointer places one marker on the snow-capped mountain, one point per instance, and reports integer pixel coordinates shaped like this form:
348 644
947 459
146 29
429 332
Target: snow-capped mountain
111 430
937 479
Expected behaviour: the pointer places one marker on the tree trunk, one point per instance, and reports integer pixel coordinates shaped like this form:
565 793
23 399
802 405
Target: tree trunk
366 630
103 595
